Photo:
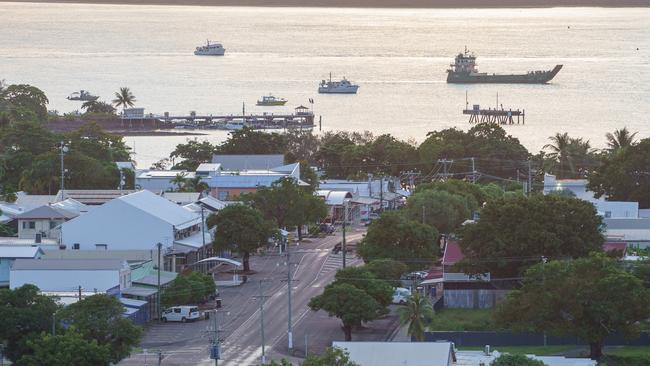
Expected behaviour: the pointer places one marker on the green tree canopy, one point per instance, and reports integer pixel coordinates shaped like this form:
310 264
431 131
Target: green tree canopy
95 106
589 298
249 141
99 318
25 314
193 153
388 270
624 176
69 348
363 279
495 152
392 236
331 357
25 101
515 232
516 360
443 210
569 157
474 193
240 228
192 288
348 303
288 204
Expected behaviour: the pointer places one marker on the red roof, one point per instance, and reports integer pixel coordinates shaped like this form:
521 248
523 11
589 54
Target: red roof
452 253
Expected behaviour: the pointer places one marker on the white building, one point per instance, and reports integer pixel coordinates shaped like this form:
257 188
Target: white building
42 221
66 275
160 180
9 254
399 353
248 162
607 209
137 221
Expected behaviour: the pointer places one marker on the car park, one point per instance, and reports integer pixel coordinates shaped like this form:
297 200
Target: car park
180 314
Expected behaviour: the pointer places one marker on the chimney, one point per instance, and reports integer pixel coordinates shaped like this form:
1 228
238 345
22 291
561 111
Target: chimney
37 240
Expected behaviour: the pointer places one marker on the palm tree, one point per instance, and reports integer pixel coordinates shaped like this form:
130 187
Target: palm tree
180 181
620 139
124 98
560 149
195 184
417 312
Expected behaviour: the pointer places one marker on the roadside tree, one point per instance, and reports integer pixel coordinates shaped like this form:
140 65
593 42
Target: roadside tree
442 210
363 279
388 270
417 313
25 102
392 236
24 315
589 298
69 348
348 303
515 232
240 228
99 318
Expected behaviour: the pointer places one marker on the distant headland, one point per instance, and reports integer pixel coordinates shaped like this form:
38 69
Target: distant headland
373 3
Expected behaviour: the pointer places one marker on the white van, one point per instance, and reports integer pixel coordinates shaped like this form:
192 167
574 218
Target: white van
181 314
401 295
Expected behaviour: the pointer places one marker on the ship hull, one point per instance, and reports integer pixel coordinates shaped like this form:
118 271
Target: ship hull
540 77
352 90
271 104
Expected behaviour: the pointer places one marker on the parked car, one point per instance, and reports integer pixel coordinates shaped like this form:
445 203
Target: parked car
401 295
417 275
180 314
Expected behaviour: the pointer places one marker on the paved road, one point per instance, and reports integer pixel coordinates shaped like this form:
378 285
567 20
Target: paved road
239 319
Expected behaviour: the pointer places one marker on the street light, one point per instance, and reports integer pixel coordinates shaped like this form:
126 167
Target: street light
63 150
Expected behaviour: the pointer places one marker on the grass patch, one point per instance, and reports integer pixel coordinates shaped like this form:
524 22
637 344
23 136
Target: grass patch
526 350
459 320
627 351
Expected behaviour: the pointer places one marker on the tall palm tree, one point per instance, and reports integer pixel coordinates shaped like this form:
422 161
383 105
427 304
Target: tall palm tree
124 98
417 313
559 149
180 181
620 139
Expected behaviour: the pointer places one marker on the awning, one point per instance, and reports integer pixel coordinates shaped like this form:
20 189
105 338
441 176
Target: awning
220 259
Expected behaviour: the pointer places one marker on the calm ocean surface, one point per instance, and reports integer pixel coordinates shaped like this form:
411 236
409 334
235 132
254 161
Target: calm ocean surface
399 58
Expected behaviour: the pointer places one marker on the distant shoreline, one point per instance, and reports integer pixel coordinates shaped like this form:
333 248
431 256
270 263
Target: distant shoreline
406 4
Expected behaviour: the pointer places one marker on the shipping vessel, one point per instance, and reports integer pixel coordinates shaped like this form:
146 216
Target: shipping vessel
464 71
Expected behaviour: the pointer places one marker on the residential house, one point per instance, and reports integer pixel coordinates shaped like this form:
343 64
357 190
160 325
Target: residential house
8 254
386 191
399 353
42 222
226 185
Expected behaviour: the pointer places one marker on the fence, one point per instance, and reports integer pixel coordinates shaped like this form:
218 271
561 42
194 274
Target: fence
500 339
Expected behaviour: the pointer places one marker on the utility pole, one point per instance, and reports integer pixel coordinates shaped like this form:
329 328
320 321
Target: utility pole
160 357
262 298
289 329
424 213
345 219
381 194
544 284
203 266
159 245
215 353
530 178
473 171
64 150
79 292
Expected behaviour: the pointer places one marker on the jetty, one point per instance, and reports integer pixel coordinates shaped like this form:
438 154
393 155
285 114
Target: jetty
496 115
302 118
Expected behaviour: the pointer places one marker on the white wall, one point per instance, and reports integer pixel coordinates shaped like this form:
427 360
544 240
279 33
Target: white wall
155 184
120 226
617 209
65 280
41 226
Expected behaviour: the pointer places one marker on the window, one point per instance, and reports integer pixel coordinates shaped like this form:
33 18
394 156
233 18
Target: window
223 195
608 214
32 224
76 246
24 225
177 310
53 224
101 246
